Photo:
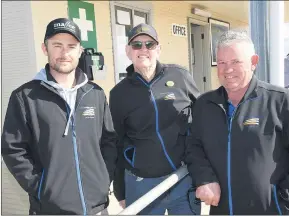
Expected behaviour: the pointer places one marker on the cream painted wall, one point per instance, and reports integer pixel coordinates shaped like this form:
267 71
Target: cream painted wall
286 11
41 13
175 49
233 24
41 16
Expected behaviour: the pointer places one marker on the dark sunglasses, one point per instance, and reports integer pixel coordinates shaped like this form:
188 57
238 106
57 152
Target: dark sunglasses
137 45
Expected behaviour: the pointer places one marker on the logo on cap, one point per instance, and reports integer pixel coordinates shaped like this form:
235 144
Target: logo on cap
142 29
66 25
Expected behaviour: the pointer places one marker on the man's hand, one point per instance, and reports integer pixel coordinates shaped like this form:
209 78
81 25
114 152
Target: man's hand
122 203
209 193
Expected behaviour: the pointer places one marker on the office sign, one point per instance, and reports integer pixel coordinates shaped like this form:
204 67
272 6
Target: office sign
179 30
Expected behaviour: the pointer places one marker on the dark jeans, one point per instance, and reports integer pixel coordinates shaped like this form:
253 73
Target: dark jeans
175 200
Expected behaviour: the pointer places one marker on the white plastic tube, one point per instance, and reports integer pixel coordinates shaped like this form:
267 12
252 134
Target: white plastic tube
154 193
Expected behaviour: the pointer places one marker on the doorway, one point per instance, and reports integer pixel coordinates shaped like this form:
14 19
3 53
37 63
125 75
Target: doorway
199 50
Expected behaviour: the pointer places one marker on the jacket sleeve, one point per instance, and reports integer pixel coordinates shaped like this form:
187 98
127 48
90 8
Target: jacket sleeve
108 142
16 146
191 87
199 166
283 185
285 182
118 183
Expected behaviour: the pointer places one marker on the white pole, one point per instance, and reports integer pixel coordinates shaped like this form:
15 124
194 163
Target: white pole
250 20
154 193
276 28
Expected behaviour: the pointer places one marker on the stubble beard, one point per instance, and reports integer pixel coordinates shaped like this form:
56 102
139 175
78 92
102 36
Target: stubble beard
58 68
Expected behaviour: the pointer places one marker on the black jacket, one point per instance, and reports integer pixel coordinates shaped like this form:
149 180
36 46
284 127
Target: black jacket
247 154
151 120
61 174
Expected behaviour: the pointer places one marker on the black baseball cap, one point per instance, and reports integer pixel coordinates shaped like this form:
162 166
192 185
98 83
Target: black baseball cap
142 29
62 25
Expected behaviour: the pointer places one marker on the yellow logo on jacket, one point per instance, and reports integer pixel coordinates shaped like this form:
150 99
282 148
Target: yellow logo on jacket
170 83
170 96
251 121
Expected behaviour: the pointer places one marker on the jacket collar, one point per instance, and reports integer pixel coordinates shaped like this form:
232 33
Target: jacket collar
79 76
132 75
221 96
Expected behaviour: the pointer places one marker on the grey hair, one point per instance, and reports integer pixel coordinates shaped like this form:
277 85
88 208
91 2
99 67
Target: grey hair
233 36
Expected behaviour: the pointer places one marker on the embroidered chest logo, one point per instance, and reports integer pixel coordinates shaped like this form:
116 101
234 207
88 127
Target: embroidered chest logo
170 83
251 121
170 96
88 112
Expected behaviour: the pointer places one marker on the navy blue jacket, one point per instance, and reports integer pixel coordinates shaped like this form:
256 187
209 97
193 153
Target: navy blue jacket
151 120
247 153
62 174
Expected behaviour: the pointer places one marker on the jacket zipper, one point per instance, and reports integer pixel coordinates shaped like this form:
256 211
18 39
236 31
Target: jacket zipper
40 185
229 153
229 163
229 159
276 200
157 119
76 157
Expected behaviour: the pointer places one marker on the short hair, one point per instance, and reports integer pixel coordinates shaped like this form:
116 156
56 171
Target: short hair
234 36
46 42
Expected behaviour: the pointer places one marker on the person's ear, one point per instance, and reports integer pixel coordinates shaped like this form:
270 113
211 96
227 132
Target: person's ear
158 51
80 51
44 49
254 61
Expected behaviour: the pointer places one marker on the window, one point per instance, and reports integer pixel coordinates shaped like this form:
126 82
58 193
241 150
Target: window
125 19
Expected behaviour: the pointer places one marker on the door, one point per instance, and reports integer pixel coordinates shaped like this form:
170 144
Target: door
197 55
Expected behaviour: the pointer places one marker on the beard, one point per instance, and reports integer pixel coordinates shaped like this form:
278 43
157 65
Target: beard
61 67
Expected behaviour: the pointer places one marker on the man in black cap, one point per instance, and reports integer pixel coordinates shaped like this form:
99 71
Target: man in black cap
58 138
151 111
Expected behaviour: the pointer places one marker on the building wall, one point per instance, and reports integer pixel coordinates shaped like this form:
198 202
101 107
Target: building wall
286 11
41 11
175 49
18 67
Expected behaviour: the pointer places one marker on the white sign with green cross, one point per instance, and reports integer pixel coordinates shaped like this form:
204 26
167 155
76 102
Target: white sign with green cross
82 13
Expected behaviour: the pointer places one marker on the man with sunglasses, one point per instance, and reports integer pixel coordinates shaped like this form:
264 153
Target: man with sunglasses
151 111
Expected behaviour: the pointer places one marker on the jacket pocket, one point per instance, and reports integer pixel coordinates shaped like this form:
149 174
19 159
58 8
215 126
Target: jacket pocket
281 199
40 186
129 154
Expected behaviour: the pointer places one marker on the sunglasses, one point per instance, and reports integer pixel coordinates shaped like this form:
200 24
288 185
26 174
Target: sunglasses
137 45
